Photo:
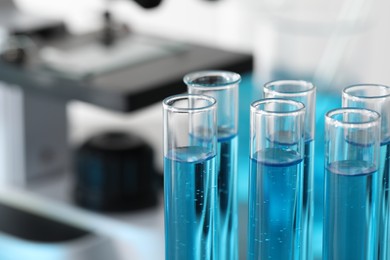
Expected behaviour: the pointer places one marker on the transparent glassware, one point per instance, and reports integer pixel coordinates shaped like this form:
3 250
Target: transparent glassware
190 148
276 179
223 86
377 97
305 92
352 139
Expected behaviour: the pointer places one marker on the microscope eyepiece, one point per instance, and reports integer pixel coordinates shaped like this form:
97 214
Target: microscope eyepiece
148 3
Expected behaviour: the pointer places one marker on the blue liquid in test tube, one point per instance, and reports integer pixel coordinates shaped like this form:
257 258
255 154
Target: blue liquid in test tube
190 179
352 186
350 194
308 201
189 203
275 176
276 180
384 230
227 185
377 97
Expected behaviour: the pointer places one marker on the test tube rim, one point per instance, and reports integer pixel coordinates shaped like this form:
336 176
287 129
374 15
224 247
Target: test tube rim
369 123
311 89
189 78
301 108
167 106
348 95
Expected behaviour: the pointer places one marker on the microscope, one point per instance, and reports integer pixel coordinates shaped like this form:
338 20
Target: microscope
43 67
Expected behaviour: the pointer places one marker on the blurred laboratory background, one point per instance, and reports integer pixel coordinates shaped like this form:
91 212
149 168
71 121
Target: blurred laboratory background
81 85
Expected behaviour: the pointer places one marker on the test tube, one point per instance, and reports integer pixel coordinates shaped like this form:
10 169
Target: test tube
223 86
190 177
352 137
275 181
305 92
377 97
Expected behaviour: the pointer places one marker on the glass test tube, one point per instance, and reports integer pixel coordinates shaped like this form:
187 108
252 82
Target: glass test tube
352 138
189 177
223 86
275 181
377 97
305 92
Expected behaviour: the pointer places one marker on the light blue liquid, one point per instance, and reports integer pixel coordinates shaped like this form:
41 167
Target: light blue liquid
325 101
308 201
384 222
275 184
227 198
350 211
190 193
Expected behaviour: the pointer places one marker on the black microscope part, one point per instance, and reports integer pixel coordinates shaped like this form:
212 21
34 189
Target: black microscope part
148 3
115 172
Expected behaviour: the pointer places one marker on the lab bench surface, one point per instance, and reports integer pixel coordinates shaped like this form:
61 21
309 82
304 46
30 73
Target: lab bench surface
130 233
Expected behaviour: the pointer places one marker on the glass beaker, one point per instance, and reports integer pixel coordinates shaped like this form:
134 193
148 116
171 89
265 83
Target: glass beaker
377 97
352 138
190 148
275 181
223 86
305 92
